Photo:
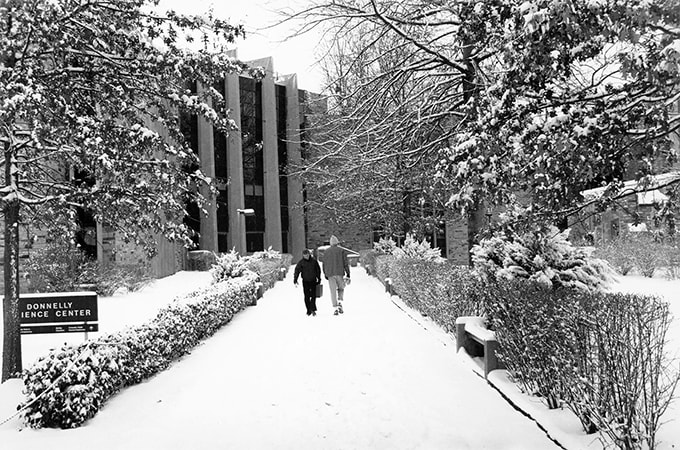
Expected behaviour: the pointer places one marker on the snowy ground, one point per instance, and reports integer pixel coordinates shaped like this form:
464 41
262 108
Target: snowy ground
378 377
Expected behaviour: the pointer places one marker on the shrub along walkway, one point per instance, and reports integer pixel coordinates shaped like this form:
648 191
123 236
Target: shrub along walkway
274 378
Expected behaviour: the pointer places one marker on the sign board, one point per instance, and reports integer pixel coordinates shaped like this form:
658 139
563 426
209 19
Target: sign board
65 328
65 312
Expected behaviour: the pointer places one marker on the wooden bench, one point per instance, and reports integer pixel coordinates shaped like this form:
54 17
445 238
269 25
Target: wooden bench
478 341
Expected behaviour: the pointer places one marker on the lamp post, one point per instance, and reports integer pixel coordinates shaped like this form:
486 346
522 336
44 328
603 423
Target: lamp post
241 232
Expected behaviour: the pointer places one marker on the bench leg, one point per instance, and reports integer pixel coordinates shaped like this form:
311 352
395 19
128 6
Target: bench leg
491 361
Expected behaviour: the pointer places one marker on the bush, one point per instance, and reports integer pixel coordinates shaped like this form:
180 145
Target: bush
269 270
367 260
61 266
644 251
385 246
68 386
130 278
227 265
535 326
383 267
413 249
438 289
544 256
600 354
618 254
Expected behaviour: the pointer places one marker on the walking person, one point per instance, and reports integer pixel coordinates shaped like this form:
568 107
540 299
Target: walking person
309 268
335 267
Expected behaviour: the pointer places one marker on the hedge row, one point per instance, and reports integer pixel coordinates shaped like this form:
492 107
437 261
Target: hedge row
602 355
68 386
438 289
270 270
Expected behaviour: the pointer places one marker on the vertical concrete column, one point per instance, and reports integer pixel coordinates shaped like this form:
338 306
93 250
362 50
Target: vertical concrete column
235 197
295 199
272 195
208 238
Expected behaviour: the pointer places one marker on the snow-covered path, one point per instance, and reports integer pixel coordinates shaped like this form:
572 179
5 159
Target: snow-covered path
275 378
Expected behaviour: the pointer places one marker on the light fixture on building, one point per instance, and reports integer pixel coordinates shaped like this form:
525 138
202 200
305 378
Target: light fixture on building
246 212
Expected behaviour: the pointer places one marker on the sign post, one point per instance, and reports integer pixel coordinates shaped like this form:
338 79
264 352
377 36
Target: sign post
58 312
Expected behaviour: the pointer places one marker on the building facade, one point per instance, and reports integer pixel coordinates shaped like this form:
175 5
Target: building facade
259 205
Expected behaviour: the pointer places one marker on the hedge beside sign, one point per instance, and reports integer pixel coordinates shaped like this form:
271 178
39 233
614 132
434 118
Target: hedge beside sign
79 309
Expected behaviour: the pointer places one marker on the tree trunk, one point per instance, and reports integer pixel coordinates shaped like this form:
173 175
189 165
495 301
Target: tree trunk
11 349
476 219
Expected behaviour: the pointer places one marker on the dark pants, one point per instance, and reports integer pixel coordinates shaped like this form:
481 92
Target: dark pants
309 288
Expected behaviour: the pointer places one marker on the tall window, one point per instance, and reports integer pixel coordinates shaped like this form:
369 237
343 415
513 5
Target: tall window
222 176
253 163
282 147
86 233
220 142
188 124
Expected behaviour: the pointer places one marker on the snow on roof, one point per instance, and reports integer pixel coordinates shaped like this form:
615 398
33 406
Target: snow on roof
651 197
648 196
637 228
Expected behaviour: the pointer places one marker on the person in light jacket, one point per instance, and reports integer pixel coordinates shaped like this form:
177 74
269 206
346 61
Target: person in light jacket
335 266
309 268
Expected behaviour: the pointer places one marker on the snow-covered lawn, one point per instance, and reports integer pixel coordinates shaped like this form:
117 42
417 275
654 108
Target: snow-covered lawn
379 376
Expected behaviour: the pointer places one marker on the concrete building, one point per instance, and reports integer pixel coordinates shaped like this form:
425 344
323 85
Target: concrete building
252 167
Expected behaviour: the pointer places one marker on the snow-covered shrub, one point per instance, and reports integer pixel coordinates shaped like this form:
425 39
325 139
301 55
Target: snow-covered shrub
618 254
367 260
385 246
599 354
417 250
60 266
535 326
267 254
544 256
383 266
629 380
115 277
69 386
649 252
227 265
269 269
442 291
643 251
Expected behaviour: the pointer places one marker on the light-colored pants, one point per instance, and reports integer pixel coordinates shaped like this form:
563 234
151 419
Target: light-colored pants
336 283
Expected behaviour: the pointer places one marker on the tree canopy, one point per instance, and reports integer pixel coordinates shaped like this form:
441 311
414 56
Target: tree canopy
92 93
543 98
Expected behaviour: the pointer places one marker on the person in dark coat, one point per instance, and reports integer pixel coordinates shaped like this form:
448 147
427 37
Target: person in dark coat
310 270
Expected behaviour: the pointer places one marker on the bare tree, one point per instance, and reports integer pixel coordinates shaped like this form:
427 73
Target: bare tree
535 97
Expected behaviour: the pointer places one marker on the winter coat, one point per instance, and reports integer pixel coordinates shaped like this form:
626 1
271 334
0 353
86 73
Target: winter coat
335 262
310 270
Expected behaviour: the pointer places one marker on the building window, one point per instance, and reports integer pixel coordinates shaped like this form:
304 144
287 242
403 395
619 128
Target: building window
282 147
250 92
188 124
220 144
222 221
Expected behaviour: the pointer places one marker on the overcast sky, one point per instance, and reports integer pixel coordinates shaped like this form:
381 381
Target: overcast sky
296 55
